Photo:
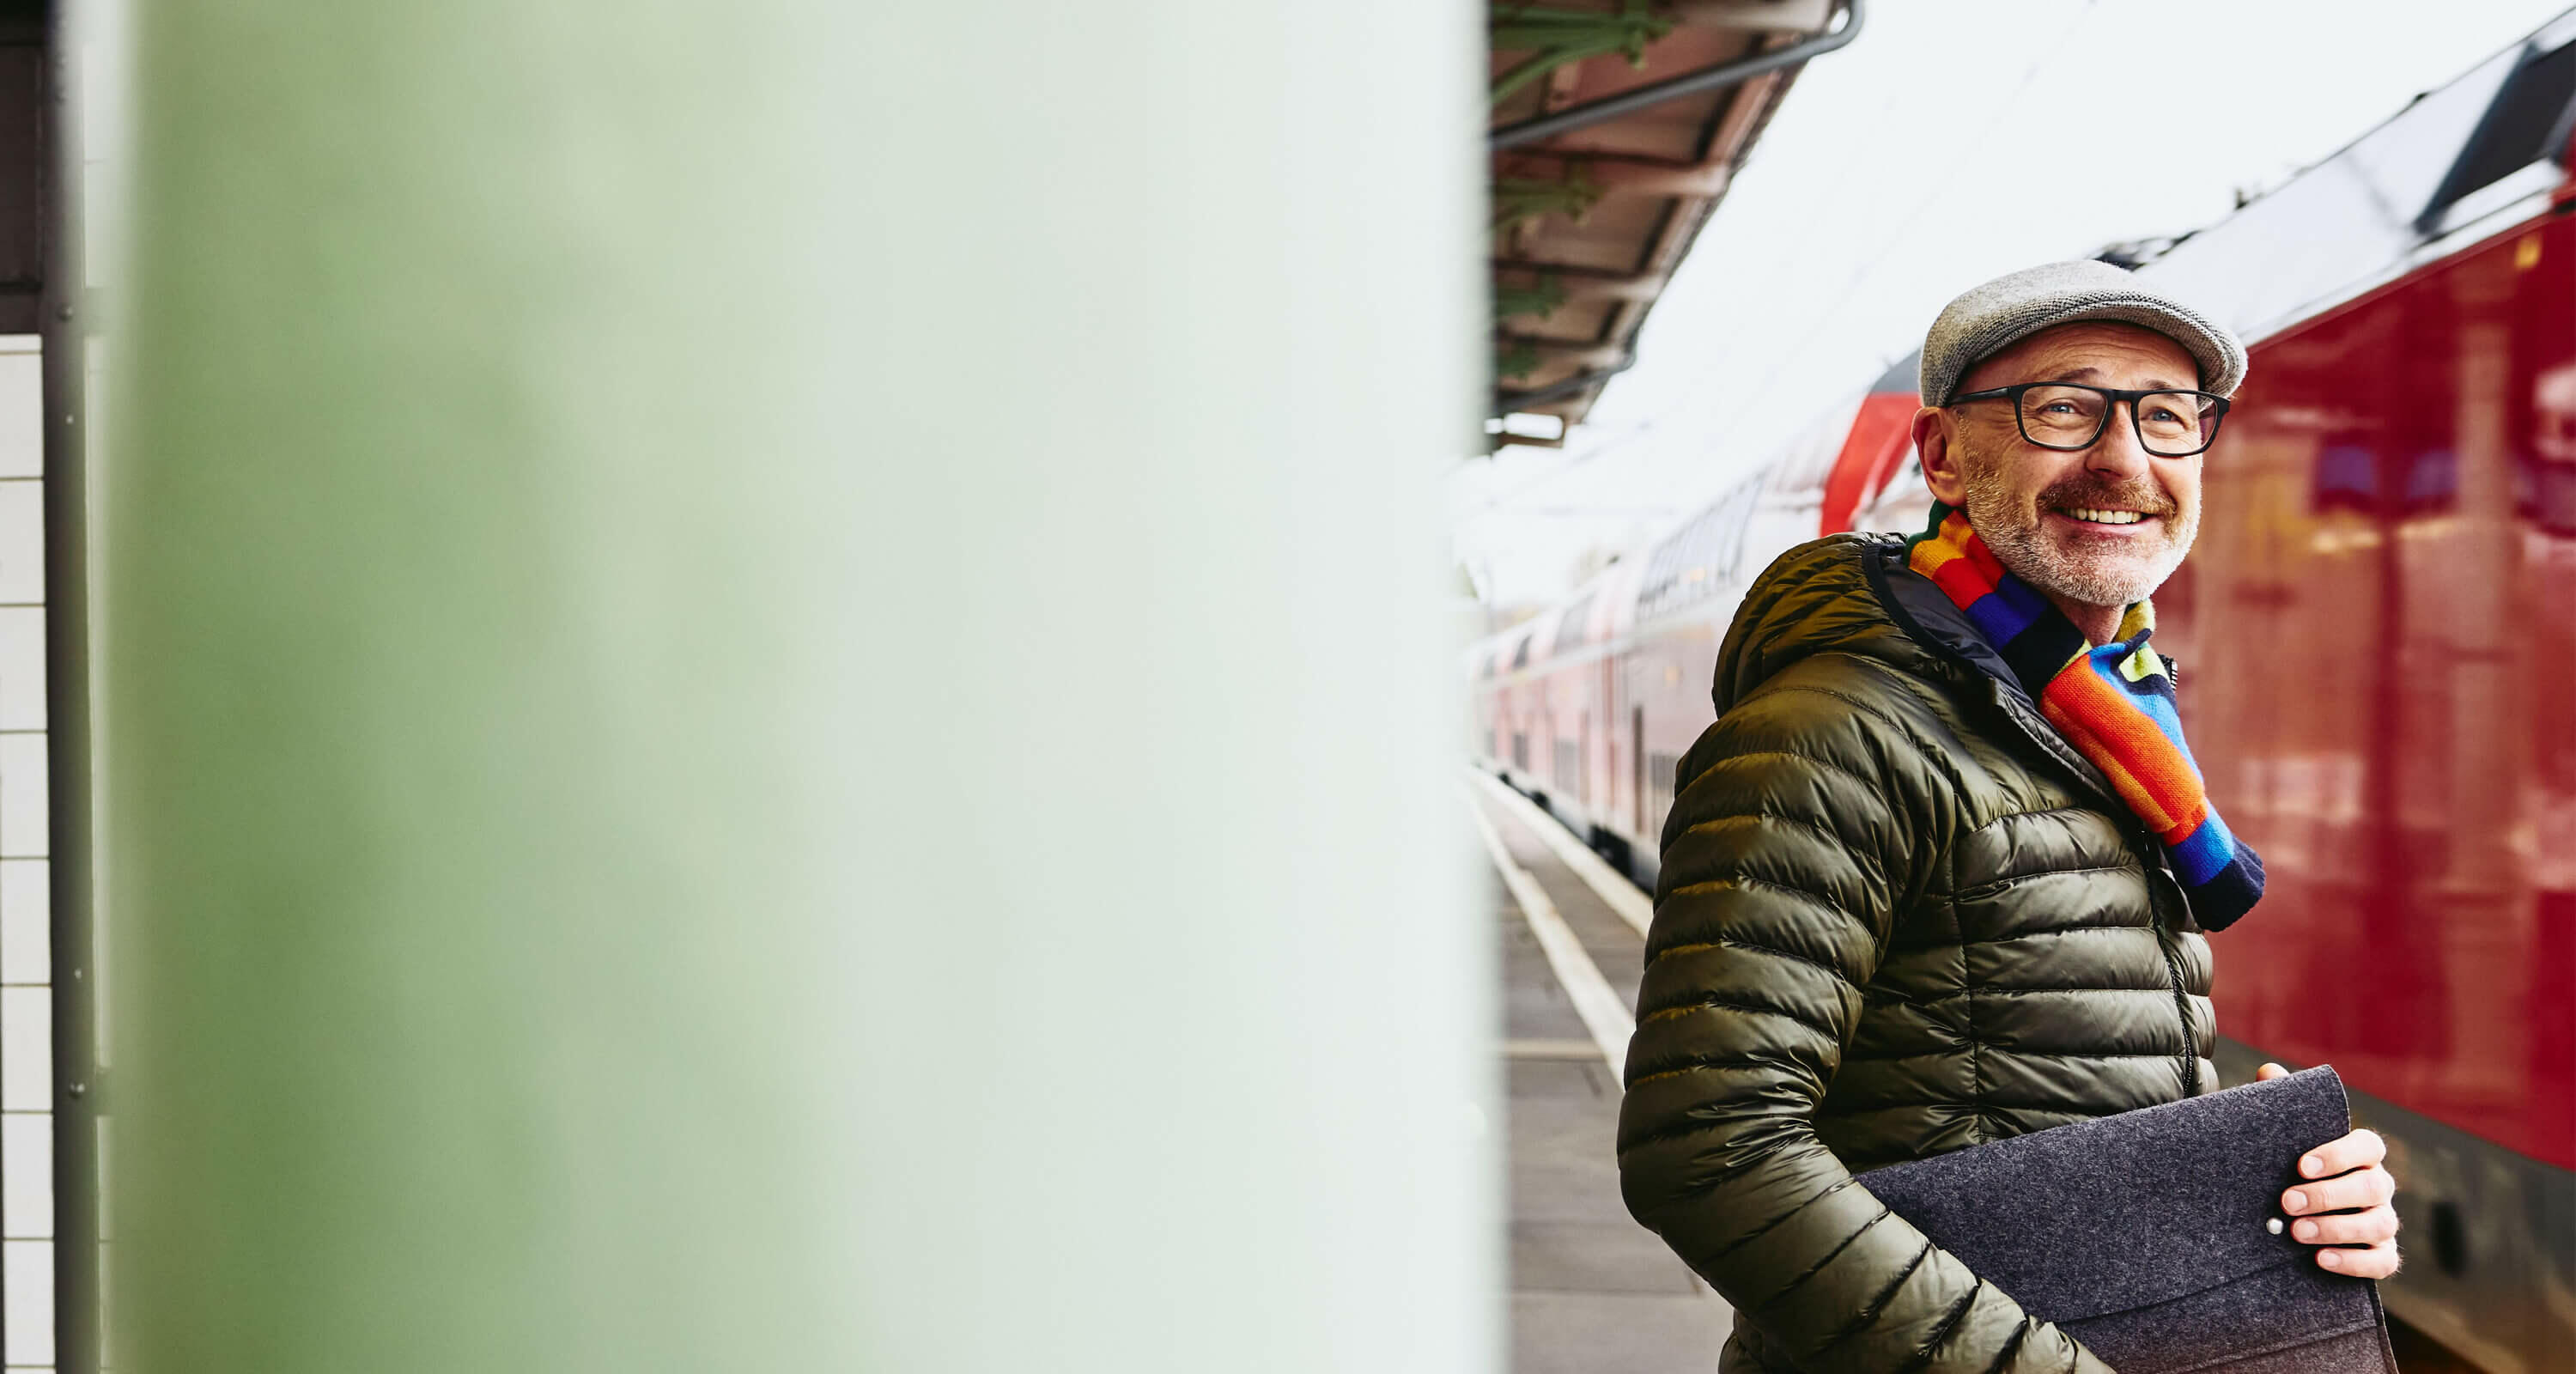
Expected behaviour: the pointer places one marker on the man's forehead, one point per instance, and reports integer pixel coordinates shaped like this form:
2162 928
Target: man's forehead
2103 348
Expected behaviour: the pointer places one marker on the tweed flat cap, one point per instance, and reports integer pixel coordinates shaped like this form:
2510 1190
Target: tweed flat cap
1987 319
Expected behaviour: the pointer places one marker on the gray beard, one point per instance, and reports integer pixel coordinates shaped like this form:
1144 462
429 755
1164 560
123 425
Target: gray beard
2015 536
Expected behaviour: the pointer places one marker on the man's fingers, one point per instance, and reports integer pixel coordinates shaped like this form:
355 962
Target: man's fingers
2269 1072
2377 1262
2355 1228
2367 1188
2359 1150
2349 1183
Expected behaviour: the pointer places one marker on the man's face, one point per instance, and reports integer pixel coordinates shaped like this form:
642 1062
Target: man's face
2104 526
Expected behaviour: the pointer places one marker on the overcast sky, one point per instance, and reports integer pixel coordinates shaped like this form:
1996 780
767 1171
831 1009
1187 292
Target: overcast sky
1886 185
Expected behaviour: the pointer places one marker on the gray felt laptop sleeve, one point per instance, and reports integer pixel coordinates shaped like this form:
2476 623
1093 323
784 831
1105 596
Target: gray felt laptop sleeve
2144 1236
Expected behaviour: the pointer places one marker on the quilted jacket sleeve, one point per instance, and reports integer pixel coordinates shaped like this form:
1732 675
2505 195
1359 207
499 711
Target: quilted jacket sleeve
1804 822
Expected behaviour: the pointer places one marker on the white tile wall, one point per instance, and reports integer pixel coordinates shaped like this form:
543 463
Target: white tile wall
26 933
23 822
22 540
26 1030
26 1176
22 430
26 1049
22 667
27 1298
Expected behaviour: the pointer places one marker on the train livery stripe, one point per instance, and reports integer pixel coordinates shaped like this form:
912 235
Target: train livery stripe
1882 434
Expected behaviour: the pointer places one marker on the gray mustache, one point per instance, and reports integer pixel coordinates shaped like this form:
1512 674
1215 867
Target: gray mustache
2146 500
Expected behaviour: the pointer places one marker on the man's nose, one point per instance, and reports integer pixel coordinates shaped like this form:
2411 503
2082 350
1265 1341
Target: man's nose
2118 452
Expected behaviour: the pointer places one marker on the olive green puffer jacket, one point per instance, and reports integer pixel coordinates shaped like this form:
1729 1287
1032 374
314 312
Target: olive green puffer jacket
1898 915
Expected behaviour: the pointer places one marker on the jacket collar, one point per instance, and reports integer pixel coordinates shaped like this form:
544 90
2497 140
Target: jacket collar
1933 620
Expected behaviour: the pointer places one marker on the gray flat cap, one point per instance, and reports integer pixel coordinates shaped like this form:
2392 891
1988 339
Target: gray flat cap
2012 307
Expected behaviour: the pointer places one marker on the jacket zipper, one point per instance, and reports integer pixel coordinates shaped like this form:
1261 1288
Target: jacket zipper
2182 1007
2173 973
2152 856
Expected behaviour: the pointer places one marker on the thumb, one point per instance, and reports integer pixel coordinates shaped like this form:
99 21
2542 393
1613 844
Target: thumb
2269 1072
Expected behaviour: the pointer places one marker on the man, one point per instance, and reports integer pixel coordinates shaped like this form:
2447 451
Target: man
1939 873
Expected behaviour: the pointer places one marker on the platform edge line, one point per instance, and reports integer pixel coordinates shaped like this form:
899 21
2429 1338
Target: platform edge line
1602 1013
1623 897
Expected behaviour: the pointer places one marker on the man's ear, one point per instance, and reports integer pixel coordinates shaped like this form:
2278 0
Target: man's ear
1932 434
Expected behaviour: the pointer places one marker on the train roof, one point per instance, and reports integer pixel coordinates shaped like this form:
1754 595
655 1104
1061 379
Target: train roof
2475 156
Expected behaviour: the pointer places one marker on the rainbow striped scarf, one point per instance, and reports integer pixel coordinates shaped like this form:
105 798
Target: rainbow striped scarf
2114 703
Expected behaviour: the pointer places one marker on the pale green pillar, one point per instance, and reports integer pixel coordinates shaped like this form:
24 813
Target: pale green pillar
777 693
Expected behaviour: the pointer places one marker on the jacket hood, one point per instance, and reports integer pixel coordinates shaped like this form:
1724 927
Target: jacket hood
1853 594
1818 596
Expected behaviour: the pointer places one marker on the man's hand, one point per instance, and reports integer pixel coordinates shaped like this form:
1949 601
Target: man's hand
2349 1176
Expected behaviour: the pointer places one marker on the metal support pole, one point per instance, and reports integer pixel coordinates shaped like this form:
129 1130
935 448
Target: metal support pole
752 731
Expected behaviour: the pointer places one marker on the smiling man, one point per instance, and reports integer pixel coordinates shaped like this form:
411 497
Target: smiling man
1942 870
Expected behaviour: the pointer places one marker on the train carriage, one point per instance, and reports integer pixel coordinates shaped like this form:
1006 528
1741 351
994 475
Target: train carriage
2378 637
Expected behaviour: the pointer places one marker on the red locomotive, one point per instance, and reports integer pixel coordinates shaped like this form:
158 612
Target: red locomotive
2377 634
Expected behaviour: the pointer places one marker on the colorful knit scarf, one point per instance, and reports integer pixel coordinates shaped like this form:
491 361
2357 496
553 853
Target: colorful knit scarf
2115 704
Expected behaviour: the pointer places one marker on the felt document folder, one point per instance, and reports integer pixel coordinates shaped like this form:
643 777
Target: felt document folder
2144 1234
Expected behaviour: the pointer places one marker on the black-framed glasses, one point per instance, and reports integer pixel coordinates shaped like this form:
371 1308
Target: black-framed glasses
2070 415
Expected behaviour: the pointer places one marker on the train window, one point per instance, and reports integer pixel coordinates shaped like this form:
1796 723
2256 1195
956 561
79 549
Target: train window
1708 546
2432 481
2529 122
1570 627
1659 786
2345 477
1520 750
1582 754
1568 763
2545 494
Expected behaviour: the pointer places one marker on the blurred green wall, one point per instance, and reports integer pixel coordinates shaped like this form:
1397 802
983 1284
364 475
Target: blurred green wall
775 694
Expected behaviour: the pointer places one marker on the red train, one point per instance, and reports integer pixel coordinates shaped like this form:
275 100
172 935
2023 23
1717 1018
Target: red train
2378 639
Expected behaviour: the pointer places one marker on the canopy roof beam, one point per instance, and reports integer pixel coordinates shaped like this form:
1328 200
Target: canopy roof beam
1714 78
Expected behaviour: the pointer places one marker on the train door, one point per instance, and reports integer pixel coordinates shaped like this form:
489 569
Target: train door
1583 761
1637 767
1608 696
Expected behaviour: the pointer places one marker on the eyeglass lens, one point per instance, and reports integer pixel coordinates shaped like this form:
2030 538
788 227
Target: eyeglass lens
2174 423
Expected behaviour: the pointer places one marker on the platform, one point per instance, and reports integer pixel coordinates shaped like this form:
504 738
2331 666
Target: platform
1592 1292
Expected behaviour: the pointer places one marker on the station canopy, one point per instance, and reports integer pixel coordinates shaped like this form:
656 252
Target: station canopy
1615 128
